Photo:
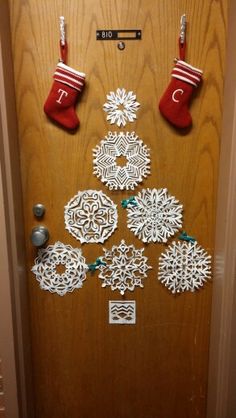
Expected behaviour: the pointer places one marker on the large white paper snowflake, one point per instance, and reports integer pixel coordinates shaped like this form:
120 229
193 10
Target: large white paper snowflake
91 216
184 266
106 166
156 217
121 106
60 268
125 267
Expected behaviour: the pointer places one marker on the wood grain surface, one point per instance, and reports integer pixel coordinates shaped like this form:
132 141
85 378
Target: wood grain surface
84 367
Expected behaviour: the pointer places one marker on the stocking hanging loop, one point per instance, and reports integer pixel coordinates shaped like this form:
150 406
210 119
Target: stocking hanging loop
182 37
63 43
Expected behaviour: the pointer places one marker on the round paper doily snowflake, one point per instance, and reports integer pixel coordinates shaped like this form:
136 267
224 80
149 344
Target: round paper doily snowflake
60 268
184 266
129 146
91 216
125 267
121 107
156 217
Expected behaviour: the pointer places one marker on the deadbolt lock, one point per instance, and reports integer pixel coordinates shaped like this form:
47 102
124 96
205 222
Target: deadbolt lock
38 210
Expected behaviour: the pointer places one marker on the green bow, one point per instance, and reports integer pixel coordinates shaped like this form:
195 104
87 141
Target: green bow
126 202
186 237
98 262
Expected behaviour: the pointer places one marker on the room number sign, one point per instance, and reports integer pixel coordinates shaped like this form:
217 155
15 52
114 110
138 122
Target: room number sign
116 35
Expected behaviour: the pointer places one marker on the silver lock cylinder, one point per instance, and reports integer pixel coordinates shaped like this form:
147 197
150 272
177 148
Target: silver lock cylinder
38 210
39 235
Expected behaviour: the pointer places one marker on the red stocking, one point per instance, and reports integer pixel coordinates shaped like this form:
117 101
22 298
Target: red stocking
62 99
174 104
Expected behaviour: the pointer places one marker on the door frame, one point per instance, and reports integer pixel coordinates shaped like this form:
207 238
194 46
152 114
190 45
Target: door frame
14 332
15 351
222 364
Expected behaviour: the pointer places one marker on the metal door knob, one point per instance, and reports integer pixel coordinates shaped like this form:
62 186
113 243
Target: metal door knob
39 235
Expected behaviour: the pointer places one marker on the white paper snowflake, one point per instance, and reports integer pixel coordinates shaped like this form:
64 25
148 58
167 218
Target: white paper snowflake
60 268
184 266
156 217
91 216
117 145
125 267
121 107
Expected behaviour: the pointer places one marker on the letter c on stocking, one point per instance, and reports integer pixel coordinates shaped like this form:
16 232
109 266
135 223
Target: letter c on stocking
180 91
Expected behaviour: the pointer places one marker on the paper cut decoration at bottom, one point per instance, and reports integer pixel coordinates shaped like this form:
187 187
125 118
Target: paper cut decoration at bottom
184 266
60 268
125 267
122 312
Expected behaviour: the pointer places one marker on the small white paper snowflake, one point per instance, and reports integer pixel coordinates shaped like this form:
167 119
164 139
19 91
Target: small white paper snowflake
156 217
60 268
184 266
121 107
91 216
117 145
125 268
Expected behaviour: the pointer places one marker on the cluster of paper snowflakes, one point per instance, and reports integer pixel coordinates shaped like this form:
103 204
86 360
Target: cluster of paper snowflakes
49 263
183 266
126 145
153 215
91 216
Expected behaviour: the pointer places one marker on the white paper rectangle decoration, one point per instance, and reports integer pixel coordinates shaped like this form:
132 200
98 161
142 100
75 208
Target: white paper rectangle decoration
122 312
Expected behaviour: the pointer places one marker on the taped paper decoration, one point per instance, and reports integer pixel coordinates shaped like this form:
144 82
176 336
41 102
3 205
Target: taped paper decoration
184 266
121 107
106 166
60 268
122 312
125 268
156 217
91 216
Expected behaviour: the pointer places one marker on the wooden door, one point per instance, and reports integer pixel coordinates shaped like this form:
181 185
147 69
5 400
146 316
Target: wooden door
82 366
